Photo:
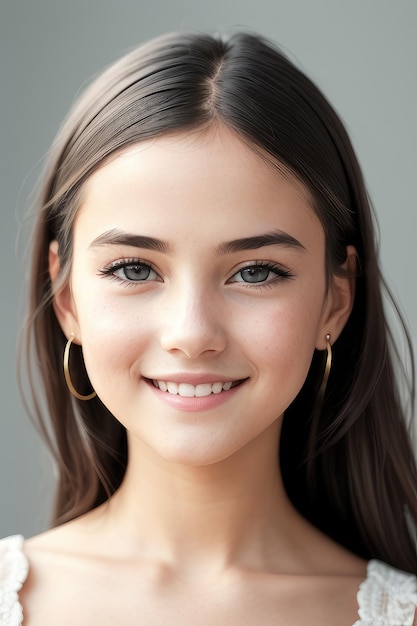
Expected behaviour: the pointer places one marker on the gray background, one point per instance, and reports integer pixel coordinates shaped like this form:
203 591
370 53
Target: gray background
362 53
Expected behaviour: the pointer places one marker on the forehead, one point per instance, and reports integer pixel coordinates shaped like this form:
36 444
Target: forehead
202 181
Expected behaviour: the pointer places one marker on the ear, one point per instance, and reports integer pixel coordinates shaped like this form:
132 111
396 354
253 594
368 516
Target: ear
339 301
62 302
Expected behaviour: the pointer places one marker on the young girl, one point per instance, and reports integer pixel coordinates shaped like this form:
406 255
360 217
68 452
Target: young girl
206 316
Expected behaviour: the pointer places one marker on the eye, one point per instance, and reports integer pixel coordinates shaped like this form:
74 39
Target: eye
260 273
130 271
255 274
136 272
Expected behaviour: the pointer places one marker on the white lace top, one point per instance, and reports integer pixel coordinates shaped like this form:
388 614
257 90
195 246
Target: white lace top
387 597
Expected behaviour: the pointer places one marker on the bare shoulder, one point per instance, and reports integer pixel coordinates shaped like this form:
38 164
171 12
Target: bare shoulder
74 536
74 561
62 563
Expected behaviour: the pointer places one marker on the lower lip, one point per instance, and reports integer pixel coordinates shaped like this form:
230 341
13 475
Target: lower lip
203 403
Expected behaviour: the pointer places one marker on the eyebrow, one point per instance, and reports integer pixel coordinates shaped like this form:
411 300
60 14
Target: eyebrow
119 237
274 238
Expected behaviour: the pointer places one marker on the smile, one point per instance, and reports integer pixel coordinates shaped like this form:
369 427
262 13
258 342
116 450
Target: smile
187 390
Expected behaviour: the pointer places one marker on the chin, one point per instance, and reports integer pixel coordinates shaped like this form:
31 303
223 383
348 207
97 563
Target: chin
195 457
193 453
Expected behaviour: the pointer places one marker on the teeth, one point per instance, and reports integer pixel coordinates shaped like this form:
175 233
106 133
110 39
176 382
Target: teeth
172 388
202 390
217 387
184 389
190 391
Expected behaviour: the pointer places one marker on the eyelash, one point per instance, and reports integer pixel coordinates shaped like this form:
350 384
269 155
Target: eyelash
281 273
109 271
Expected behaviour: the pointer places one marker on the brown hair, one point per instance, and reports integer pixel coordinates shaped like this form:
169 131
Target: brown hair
348 468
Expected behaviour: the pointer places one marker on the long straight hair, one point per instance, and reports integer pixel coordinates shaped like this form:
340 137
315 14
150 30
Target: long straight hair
348 467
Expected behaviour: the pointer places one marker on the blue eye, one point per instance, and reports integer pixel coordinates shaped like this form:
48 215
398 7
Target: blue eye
266 273
255 274
130 271
135 272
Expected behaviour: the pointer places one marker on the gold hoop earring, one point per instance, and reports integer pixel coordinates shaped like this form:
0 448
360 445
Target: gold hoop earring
68 380
327 369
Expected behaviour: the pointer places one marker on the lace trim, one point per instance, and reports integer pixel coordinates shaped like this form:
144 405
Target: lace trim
14 569
387 597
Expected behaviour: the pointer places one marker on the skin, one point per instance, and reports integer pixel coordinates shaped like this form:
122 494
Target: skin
201 531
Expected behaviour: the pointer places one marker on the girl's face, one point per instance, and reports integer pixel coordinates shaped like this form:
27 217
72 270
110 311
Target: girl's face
198 293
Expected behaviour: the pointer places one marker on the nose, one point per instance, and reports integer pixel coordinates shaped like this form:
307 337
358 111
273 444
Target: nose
193 324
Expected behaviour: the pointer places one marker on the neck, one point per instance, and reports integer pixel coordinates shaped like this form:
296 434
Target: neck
232 511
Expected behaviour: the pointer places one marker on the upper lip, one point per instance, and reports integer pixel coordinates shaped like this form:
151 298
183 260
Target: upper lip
195 379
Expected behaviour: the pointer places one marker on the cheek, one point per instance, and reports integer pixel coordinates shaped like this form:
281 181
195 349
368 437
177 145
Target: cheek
113 335
282 341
